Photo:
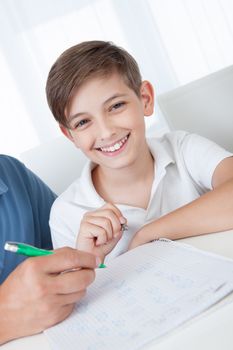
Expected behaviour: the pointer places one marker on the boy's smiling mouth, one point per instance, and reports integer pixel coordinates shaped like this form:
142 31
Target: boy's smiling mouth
114 148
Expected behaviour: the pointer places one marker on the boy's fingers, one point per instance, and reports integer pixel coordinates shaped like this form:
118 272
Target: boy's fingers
102 222
116 211
117 237
91 231
111 216
116 224
102 239
67 258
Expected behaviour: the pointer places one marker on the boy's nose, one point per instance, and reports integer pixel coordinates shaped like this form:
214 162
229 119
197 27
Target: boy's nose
105 129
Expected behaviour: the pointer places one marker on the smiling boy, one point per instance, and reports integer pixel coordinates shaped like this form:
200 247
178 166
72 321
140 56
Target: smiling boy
177 186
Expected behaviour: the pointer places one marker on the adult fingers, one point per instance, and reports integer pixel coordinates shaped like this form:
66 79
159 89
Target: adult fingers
72 298
59 314
73 281
65 259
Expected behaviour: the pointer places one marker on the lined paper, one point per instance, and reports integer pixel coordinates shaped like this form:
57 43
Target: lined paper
142 295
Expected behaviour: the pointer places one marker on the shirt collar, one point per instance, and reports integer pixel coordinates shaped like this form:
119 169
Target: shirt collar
85 193
3 187
162 156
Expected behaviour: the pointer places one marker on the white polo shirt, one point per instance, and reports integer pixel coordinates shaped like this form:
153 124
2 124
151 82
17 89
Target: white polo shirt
184 166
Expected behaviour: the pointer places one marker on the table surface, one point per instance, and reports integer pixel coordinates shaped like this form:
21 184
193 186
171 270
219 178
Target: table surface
203 332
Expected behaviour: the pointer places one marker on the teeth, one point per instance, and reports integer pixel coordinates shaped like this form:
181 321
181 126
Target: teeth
115 147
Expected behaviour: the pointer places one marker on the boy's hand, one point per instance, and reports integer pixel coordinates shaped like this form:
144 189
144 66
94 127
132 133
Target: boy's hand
100 230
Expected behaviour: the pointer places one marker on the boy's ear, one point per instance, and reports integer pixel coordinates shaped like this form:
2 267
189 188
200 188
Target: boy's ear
66 132
147 97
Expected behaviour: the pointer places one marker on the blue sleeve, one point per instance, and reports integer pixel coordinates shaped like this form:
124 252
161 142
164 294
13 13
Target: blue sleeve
41 198
25 203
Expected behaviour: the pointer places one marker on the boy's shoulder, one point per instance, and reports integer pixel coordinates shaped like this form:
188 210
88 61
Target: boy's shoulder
170 141
175 136
182 141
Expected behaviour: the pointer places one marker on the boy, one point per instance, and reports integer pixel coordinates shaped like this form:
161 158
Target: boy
178 186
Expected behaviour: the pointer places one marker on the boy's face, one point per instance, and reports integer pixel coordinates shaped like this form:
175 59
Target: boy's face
106 120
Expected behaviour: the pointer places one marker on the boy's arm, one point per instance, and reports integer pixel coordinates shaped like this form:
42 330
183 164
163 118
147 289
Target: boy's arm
212 212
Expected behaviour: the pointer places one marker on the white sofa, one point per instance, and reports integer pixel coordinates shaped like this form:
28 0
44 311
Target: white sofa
58 162
204 106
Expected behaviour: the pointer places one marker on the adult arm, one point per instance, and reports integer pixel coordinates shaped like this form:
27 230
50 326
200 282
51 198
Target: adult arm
41 198
37 295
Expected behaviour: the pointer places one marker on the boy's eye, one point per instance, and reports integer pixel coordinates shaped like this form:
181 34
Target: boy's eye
117 106
80 124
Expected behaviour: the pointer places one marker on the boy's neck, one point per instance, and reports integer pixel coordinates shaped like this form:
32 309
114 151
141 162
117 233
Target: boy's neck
118 185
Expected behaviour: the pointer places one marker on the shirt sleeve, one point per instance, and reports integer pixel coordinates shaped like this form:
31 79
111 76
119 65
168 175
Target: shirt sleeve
25 203
42 198
201 157
62 220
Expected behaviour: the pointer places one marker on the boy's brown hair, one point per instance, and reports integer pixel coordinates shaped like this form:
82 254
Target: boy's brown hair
84 61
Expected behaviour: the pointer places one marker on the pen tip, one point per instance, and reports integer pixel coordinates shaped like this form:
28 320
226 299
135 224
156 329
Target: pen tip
102 266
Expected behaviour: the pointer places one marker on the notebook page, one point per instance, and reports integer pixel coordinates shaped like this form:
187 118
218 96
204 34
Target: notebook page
142 295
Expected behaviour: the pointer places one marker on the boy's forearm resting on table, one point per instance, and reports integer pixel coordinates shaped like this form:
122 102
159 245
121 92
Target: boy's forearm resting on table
212 212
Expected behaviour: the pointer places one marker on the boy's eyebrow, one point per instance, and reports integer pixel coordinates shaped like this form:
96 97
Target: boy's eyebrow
76 115
113 97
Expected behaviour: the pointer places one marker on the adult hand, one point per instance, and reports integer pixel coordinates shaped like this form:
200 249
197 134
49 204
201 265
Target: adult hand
100 230
37 294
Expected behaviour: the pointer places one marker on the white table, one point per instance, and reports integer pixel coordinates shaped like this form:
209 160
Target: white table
211 330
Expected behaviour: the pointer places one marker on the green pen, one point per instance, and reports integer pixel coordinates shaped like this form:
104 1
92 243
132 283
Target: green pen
25 249
124 227
29 250
102 266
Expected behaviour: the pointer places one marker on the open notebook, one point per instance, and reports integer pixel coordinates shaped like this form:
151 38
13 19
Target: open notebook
142 295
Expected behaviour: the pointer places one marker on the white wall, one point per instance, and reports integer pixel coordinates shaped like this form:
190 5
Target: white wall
174 42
